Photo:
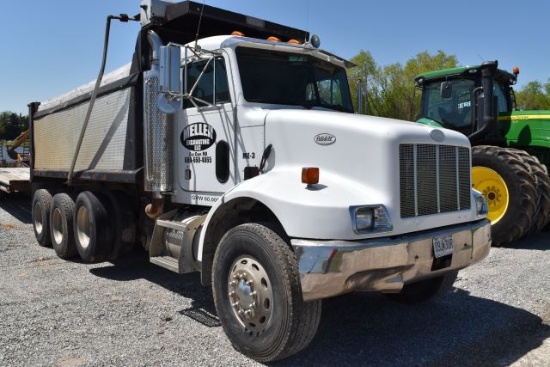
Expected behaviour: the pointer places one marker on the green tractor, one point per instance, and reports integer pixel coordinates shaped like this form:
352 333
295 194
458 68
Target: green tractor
510 148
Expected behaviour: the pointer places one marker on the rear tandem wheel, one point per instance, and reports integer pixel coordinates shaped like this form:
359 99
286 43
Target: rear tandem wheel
41 204
92 226
61 226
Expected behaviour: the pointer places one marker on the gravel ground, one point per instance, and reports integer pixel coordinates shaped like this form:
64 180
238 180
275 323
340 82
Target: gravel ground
132 313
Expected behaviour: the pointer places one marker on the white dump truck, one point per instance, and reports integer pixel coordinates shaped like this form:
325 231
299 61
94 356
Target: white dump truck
229 147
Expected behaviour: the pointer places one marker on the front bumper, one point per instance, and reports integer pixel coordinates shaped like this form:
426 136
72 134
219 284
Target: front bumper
330 268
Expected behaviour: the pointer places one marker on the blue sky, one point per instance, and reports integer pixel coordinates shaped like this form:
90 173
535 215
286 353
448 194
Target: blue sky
49 47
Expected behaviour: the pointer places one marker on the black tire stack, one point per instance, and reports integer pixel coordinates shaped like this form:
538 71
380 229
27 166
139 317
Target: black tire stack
95 226
528 187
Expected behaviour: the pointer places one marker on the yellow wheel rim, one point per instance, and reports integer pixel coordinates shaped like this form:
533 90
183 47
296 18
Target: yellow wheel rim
493 187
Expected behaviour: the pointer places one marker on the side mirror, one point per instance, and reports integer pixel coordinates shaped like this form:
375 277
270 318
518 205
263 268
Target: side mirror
446 90
169 100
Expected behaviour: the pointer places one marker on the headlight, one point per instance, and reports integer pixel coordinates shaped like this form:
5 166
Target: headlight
370 219
363 219
481 203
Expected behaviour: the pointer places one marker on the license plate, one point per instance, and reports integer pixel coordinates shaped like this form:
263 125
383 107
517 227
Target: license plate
443 245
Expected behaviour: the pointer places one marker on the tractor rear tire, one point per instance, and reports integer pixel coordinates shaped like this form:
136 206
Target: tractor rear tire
540 173
506 182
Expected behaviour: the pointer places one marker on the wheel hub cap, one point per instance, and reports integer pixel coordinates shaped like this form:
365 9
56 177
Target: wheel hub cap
83 227
494 188
37 217
250 294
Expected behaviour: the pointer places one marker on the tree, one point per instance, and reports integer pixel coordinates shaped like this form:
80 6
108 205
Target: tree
534 96
365 70
421 63
12 124
390 89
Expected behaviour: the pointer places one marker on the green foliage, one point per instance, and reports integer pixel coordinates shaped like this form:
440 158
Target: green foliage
389 90
534 96
365 72
12 124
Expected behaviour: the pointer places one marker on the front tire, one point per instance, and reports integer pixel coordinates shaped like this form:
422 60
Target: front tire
258 295
510 190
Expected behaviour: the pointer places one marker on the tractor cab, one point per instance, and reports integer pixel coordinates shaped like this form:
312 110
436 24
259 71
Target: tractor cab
510 147
456 99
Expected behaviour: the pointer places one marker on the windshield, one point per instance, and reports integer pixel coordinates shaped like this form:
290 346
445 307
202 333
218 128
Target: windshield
292 79
453 111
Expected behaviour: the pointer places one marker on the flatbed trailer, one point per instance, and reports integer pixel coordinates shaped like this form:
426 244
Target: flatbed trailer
14 180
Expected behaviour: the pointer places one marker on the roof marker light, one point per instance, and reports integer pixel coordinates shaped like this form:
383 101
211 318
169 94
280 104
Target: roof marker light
315 41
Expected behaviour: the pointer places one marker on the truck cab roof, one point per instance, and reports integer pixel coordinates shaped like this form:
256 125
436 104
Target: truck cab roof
216 42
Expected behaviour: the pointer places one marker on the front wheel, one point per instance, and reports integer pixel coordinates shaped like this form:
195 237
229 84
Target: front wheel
258 295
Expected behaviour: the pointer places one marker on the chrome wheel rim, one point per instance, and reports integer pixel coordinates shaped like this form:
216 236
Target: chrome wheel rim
250 294
83 227
57 226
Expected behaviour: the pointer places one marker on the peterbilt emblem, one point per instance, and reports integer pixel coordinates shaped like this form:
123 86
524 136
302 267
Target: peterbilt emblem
437 135
199 136
324 139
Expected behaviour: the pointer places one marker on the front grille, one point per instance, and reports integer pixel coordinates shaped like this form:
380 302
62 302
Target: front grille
433 179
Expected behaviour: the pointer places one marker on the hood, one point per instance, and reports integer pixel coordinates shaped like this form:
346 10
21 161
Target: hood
346 142
362 161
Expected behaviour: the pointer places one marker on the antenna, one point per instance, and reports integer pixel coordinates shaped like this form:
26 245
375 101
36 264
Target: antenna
307 21
199 25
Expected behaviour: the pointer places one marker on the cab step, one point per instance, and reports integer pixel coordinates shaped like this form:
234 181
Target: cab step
174 237
167 262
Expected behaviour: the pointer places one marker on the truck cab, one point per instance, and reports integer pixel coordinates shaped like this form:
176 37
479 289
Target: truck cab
229 147
232 91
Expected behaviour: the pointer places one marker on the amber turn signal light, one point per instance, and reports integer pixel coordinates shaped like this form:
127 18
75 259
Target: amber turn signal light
310 175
